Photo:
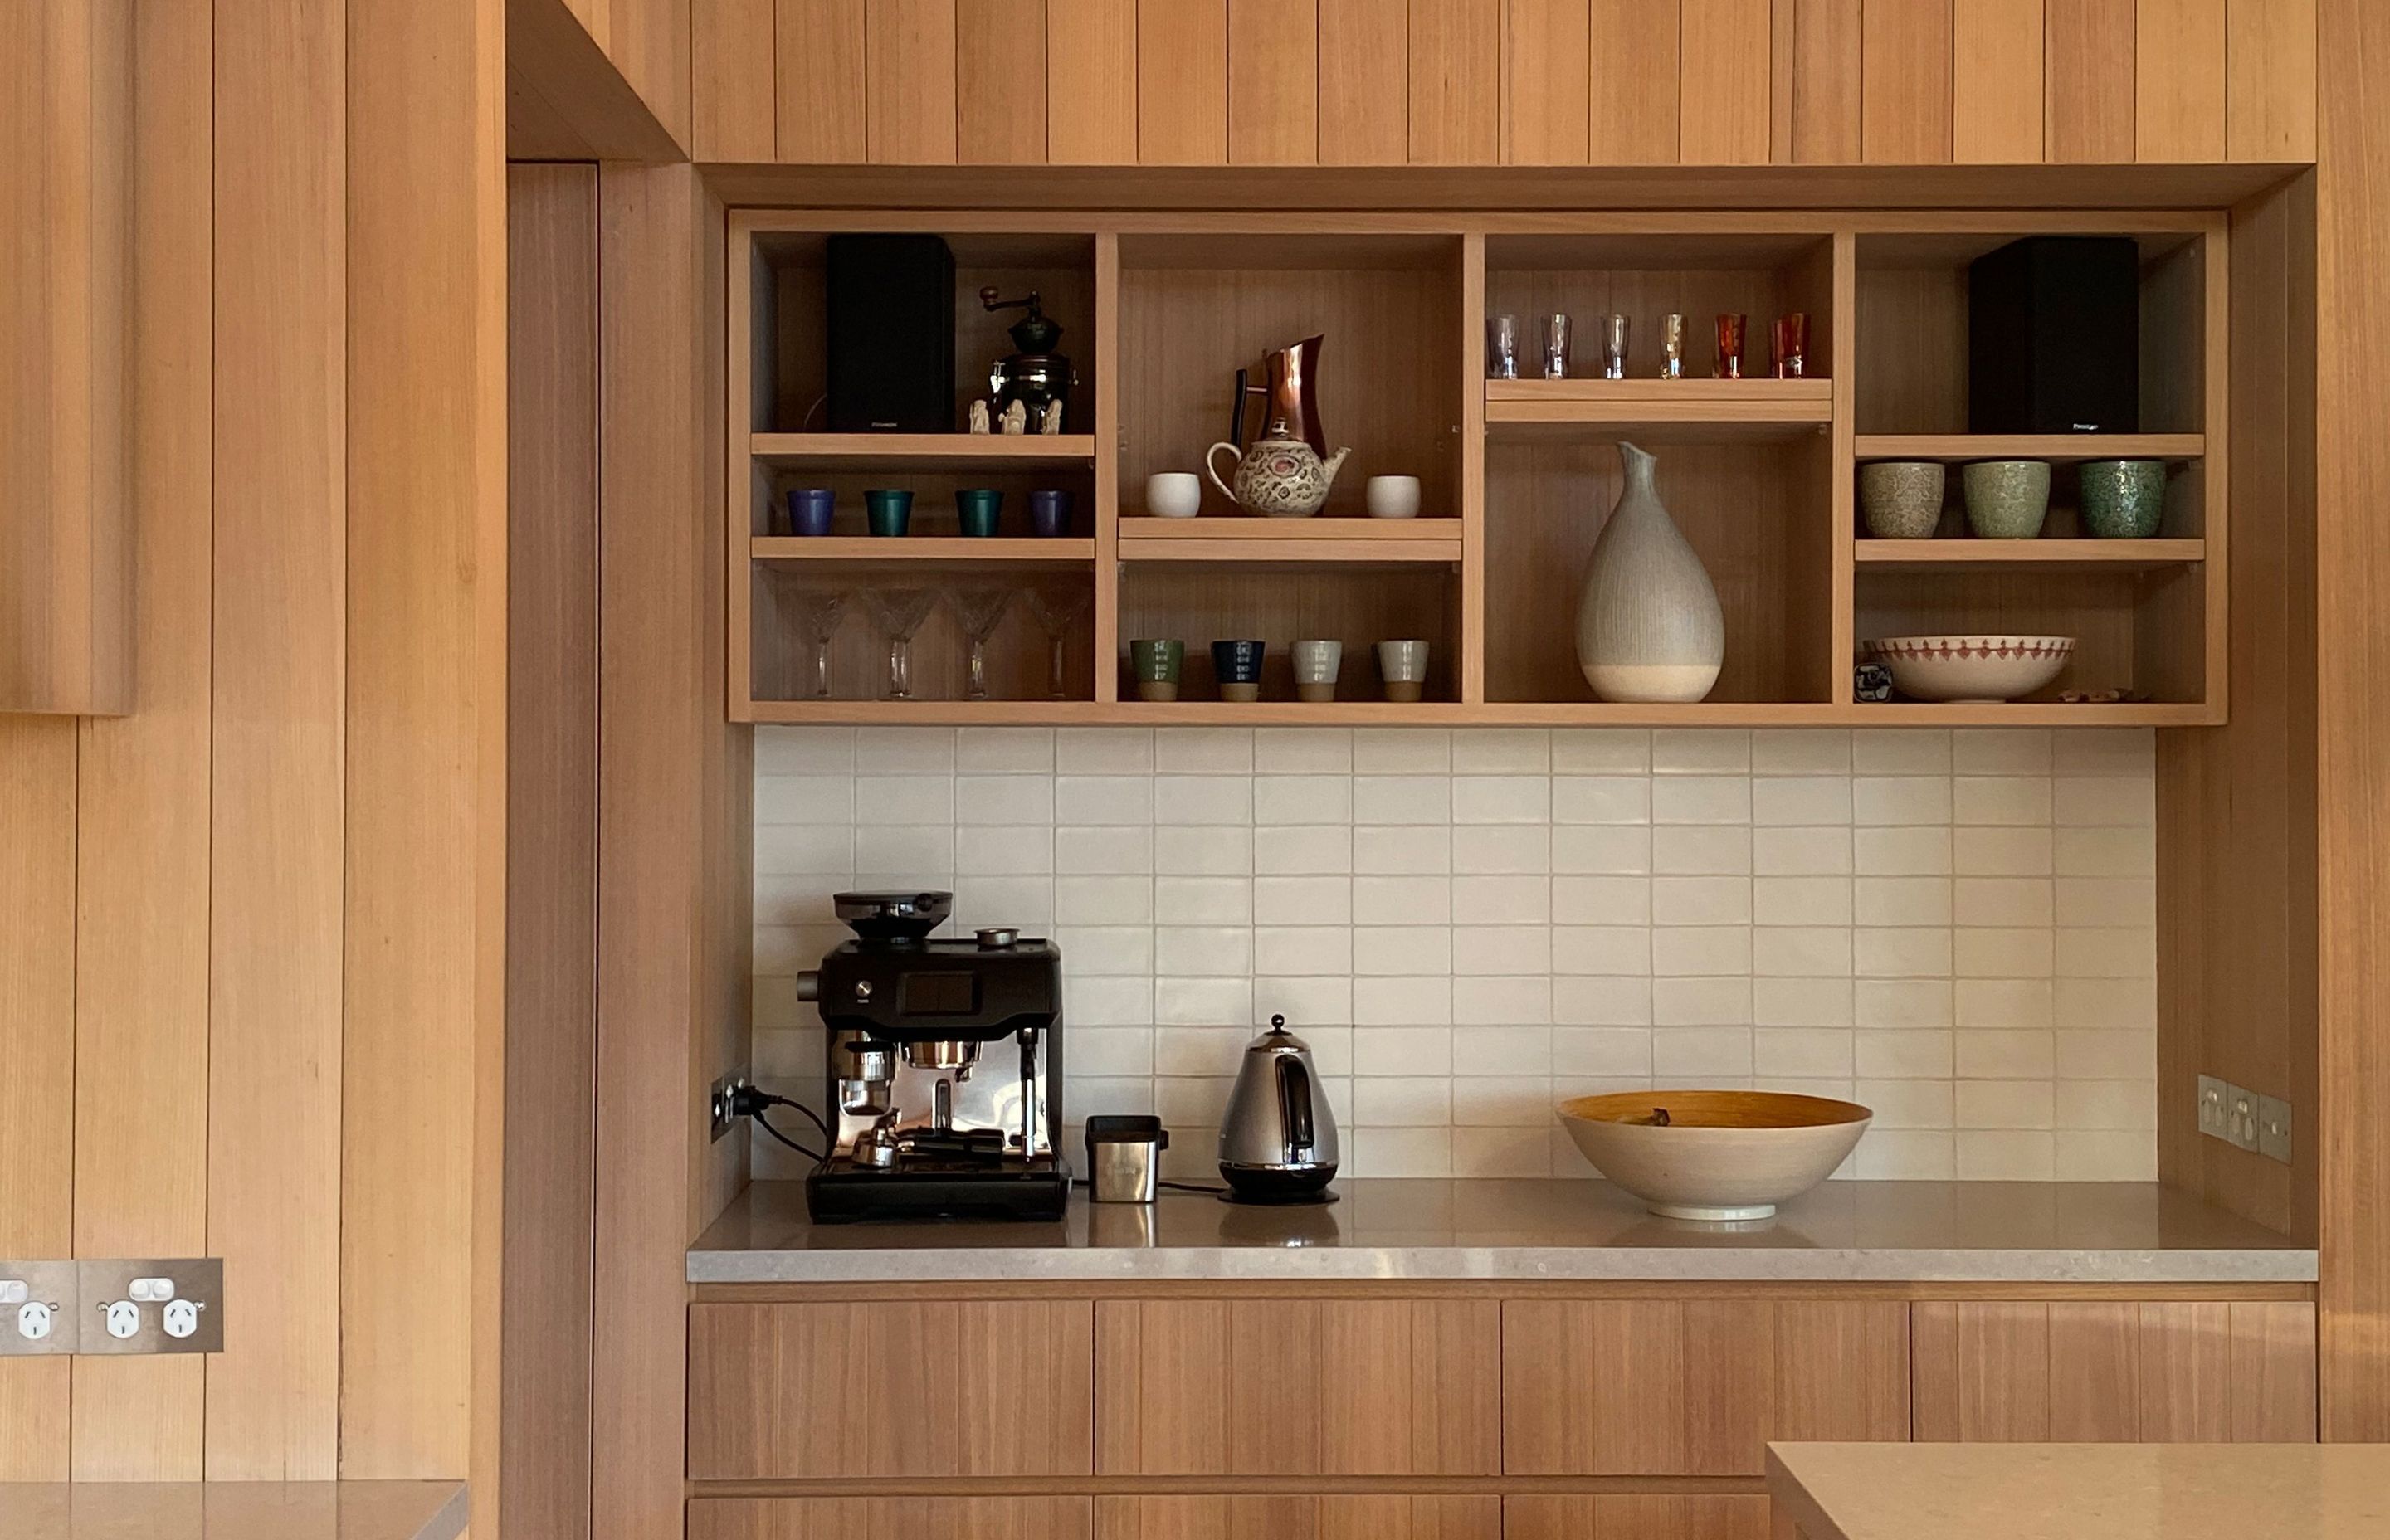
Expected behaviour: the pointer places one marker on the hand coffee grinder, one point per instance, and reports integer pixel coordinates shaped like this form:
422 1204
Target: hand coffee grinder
943 1062
1037 374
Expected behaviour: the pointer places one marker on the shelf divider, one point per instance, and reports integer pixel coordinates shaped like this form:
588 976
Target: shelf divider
2032 447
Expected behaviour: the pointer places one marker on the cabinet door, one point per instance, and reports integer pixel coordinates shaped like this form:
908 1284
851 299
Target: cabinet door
933 1388
1694 1387
2206 1372
1299 1517
1636 1517
847 1517
1297 1387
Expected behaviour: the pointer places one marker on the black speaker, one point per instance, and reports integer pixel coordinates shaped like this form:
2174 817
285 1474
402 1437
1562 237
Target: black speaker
891 334
2054 337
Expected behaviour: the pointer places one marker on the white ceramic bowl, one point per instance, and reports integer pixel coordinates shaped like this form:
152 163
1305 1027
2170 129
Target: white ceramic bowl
1719 1154
1971 668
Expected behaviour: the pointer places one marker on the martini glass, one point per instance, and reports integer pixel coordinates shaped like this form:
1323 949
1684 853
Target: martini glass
980 608
899 614
819 610
1057 609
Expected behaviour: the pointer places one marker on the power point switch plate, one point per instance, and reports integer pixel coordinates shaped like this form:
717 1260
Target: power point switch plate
2274 1129
719 1116
2214 1120
2240 1111
128 1304
40 1309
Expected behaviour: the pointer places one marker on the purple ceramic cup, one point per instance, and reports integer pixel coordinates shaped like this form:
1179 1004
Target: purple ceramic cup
810 509
1049 513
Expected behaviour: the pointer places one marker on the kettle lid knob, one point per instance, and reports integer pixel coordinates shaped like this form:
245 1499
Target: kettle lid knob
1277 1023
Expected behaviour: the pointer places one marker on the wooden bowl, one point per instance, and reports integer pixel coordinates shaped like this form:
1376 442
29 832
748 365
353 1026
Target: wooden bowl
1718 1154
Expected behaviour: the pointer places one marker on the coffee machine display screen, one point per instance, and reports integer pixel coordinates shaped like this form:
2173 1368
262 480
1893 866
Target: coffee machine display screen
940 995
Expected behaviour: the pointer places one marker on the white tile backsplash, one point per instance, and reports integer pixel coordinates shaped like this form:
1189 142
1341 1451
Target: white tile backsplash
1958 929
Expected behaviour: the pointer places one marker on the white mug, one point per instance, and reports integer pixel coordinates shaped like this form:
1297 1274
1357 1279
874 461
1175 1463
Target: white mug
1316 663
1394 496
1174 494
1402 668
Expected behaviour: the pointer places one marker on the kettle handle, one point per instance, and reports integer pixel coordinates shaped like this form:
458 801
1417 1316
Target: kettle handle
1212 470
1294 1104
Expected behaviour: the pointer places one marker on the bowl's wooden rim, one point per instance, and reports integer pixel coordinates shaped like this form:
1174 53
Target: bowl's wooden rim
1723 1109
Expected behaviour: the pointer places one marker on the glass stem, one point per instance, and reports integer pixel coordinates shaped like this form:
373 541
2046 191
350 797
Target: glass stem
979 668
1057 685
900 668
821 668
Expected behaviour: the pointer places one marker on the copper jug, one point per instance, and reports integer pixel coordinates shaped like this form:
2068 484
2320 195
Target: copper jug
1292 393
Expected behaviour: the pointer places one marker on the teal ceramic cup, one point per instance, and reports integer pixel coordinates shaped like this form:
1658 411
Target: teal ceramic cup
2123 499
1156 665
891 512
2006 499
978 510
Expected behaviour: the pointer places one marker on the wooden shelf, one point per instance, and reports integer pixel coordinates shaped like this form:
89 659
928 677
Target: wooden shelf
909 551
1239 526
1495 713
946 451
2031 446
2113 555
1348 551
1661 410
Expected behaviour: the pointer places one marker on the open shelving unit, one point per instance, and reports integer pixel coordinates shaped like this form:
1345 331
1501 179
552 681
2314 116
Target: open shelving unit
1517 475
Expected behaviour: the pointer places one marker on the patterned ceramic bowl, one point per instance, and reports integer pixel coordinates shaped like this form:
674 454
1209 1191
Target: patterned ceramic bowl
1971 668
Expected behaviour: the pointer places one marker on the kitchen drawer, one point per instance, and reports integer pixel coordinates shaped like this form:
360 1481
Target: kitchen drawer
1298 1517
2199 1372
1636 1516
1694 1387
1284 1387
895 1518
926 1388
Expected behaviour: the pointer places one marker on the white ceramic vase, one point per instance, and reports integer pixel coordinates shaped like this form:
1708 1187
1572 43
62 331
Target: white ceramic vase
1647 623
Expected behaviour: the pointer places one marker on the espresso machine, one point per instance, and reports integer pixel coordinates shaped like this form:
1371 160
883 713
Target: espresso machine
944 1059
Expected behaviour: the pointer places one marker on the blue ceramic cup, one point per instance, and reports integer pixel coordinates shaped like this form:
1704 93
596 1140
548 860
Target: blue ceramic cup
979 510
1049 513
1238 667
810 509
890 512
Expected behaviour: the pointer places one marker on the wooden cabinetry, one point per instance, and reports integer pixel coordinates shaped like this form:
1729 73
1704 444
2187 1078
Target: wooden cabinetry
929 1388
1694 1387
1299 1517
915 1518
1282 1387
2089 1372
1636 1515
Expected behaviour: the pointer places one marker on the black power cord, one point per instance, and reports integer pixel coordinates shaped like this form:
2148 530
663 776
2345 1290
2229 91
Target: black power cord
747 1101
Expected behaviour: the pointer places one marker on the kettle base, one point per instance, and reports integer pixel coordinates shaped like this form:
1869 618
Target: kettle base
1277 1188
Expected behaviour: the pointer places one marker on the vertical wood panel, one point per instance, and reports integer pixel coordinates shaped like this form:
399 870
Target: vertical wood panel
141 943
1724 83
1090 82
2095 1373
2179 79
732 91
1273 83
2269 95
1842 1371
1000 82
1364 85
2186 1373
2002 1363
1182 82
2272 1372
818 45
1826 122
37 1040
551 839
1905 111
1996 82
908 90
1455 86
1634 91
275 947
1547 84
2088 83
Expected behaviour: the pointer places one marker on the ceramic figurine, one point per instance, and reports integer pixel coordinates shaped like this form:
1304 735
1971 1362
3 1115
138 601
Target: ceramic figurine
979 422
1016 416
1649 625
1050 421
1871 683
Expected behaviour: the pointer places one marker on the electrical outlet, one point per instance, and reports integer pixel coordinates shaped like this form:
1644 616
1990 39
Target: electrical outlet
2240 1110
719 1113
2214 1117
152 1305
39 1309
2274 1129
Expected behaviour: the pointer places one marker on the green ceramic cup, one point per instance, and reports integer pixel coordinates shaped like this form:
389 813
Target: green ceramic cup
891 512
2006 499
2123 499
1156 664
978 509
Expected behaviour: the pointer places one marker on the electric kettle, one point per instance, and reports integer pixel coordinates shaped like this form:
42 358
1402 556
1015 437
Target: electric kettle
1278 1138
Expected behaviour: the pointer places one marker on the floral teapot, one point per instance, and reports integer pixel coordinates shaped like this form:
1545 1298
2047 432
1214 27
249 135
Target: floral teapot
1280 476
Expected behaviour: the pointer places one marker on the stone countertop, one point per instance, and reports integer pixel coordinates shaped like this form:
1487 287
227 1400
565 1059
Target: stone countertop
1993 1232
2066 1491
248 1511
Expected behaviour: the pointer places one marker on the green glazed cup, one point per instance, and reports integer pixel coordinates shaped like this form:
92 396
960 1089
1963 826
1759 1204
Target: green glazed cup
890 512
2123 499
978 510
2006 499
1156 663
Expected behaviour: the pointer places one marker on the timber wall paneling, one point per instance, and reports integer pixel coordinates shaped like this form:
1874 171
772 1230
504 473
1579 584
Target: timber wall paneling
1480 82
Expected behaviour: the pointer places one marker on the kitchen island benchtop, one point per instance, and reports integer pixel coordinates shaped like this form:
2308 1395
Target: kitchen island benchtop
2061 1491
1526 1230
248 1511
